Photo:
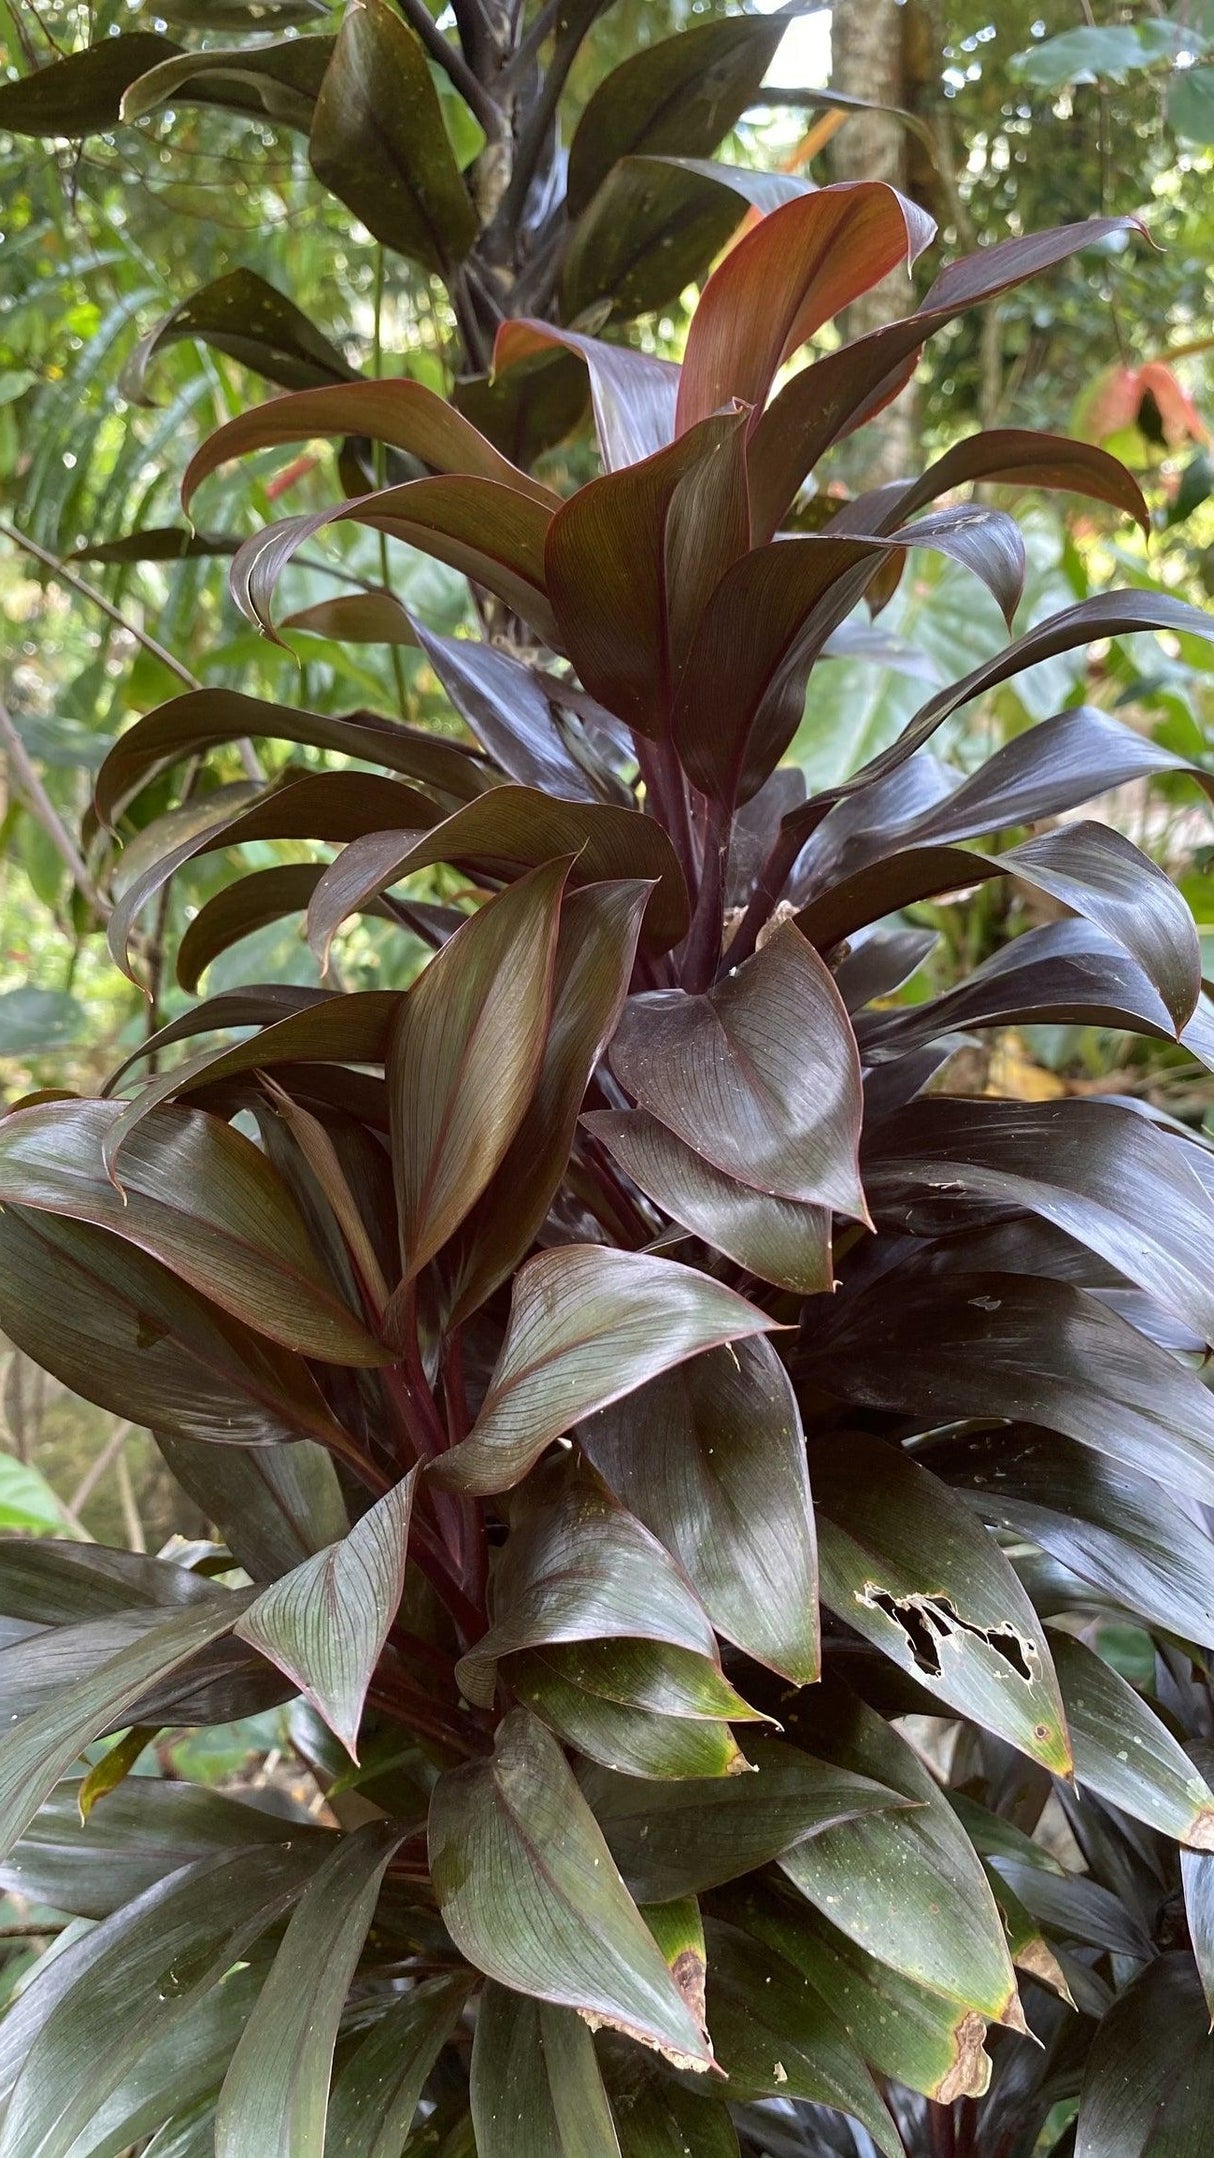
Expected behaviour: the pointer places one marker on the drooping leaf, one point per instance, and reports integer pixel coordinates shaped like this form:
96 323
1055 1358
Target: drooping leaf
952 1346
904 1885
633 393
380 145
655 225
465 1056
398 412
782 1240
509 828
376 2092
39 1749
1148 2088
325 1624
243 316
760 1075
116 1327
277 79
711 1456
535 2082
679 97
200 1198
679 1839
634 1706
530 1894
903 2030
275 2095
78 95
905 1563
579 1567
777 2038
588 1325
1124 1751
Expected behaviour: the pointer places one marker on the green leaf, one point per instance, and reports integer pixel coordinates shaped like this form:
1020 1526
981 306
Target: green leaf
634 1706
780 1240
905 1886
252 322
279 79
133 1978
326 1623
761 1075
40 1749
1191 104
678 97
465 1057
275 2096
1148 2090
536 2086
777 2038
27 1502
587 1325
655 226
79 95
917 2037
906 1564
578 1567
118 1329
656 2117
530 1894
200 1198
1126 1753
679 1839
375 2094
380 145
1098 52
711 1456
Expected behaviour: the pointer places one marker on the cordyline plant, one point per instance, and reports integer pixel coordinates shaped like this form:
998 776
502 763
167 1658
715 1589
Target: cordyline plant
585 1320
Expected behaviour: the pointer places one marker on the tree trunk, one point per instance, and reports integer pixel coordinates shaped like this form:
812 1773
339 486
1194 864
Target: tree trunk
866 61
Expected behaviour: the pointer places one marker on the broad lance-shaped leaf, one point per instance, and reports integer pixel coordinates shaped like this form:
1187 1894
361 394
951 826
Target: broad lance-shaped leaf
510 828
906 1564
793 272
656 225
578 1567
1197 1881
654 2113
277 79
199 1197
711 1456
250 320
944 1345
906 1886
116 1327
402 414
137 1976
917 2037
635 1705
761 1075
535 2083
465 1055
275 2095
81 94
1119 1531
531 1896
375 2093
777 2038
1126 1753
679 1839
42 1747
1148 2088
595 951
1111 1181
633 393
379 142
780 1240
326 1623
587 1325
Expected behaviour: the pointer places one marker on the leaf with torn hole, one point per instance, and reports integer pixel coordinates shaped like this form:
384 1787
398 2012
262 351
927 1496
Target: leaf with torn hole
906 1564
917 2037
905 1886
1125 1753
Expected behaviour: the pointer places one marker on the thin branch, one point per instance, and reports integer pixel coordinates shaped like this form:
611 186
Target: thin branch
541 29
23 769
248 755
97 1468
576 29
452 61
